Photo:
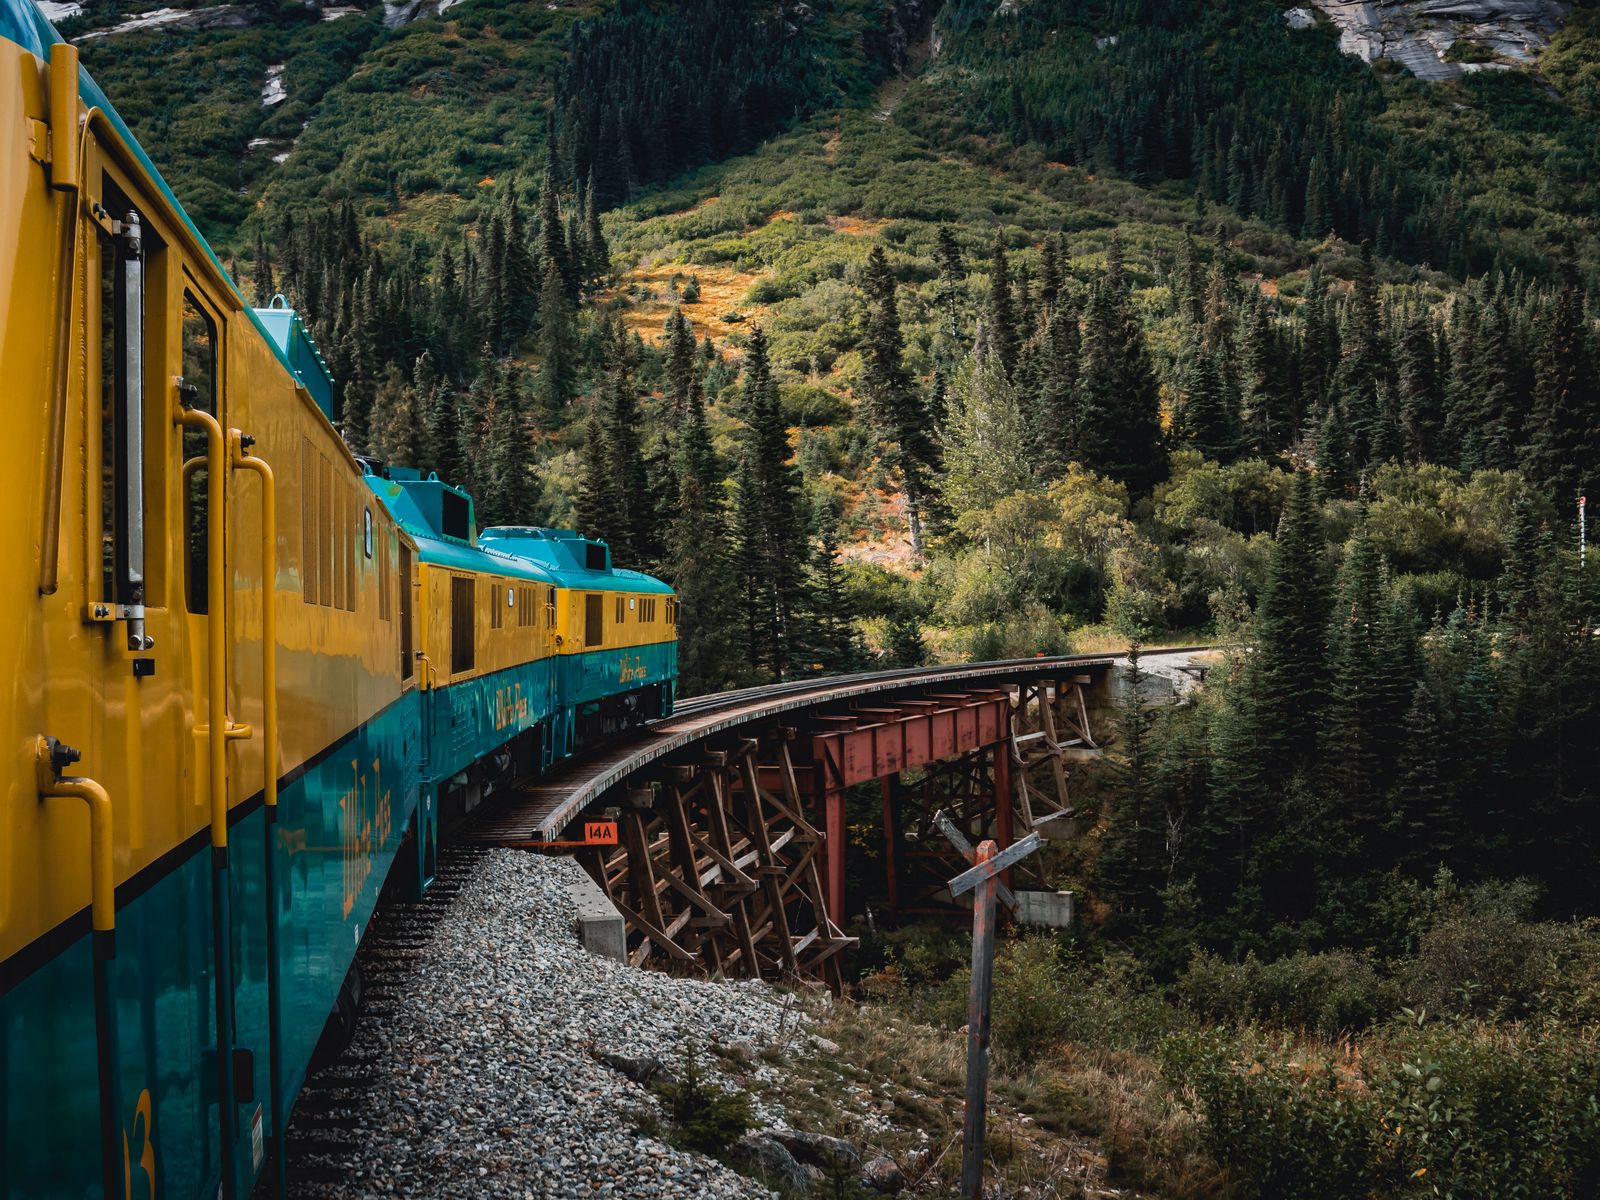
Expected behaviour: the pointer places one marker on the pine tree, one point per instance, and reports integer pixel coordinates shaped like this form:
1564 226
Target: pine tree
1288 670
1210 419
1420 395
952 272
635 534
261 275
1060 433
697 558
682 369
988 445
1118 401
772 544
512 491
599 500
520 278
1562 453
1002 314
556 352
893 399
1131 852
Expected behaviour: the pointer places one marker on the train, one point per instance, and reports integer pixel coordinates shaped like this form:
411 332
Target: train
253 675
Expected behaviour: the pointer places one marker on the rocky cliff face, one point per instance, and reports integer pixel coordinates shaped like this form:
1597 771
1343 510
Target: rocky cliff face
1441 39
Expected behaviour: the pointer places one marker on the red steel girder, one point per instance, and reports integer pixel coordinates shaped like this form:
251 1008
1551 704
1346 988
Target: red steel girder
895 737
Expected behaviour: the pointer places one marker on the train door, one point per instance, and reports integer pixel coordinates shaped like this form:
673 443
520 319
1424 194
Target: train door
209 532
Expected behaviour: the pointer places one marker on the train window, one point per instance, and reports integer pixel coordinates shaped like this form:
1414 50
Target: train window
525 610
550 608
455 516
405 612
594 614
308 521
200 391
622 611
463 620
122 401
327 551
381 561
496 614
672 612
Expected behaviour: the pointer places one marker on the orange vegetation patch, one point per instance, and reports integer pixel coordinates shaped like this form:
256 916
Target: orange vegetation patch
783 214
856 226
1052 165
722 291
1269 287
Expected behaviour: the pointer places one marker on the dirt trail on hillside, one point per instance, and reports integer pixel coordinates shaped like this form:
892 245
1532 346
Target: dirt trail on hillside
893 89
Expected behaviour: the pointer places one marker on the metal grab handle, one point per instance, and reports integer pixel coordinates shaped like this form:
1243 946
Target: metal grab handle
239 452
50 759
216 621
242 460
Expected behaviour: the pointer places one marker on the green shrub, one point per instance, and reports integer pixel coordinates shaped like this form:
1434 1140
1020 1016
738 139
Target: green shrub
1283 1126
1330 993
705 1117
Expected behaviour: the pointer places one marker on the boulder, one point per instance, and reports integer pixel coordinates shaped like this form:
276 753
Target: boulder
642 1069
763 1157
834 1155
884 1175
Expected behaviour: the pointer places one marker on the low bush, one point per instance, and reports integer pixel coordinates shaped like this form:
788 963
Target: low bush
705 1117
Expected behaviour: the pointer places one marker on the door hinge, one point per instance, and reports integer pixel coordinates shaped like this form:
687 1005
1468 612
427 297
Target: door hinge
38 141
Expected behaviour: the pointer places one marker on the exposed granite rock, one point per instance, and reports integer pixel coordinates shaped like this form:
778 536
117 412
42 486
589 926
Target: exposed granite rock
1418 34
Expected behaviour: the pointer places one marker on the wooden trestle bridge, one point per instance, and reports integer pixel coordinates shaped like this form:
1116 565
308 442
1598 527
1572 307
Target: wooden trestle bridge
733 851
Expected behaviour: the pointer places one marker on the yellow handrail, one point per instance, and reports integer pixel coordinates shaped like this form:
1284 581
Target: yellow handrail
216 621
238 450
50 757
66 170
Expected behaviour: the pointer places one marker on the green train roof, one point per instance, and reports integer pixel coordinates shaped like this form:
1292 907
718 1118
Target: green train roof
422 507
570 557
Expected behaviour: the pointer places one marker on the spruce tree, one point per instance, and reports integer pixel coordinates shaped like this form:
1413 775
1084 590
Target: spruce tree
635 539
1002 313
697 558
1420 394
1118 400
599 500
556 351
772 543
894 401
682 369
1130 869
1561 455
952 271
1289 670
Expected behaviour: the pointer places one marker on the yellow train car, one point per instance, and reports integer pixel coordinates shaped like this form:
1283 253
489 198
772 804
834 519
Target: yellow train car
213 718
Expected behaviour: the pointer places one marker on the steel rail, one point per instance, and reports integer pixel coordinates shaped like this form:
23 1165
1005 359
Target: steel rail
548 805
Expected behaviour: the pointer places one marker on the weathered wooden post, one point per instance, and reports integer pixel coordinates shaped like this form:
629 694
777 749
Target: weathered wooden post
987 864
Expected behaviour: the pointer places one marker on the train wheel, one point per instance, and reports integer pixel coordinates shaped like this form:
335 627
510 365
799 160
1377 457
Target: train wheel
340 1030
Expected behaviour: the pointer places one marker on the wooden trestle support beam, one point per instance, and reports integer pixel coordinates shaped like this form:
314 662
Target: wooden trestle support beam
717 867
732 859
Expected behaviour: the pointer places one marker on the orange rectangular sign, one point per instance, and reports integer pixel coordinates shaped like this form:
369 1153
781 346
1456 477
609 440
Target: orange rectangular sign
600 833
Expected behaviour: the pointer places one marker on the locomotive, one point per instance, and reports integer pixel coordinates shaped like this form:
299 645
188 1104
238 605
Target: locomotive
253 676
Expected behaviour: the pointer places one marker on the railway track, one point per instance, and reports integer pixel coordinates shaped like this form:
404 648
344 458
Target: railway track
324 1136
540 809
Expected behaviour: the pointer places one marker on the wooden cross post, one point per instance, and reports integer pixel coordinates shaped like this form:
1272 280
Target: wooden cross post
987 863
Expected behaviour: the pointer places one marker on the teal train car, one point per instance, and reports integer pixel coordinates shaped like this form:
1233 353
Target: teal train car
616 633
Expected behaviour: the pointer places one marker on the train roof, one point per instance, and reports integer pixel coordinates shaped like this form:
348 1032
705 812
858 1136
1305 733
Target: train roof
439 518
577 561
22 22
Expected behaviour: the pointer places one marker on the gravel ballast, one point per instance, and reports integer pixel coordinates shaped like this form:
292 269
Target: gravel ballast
485 1075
